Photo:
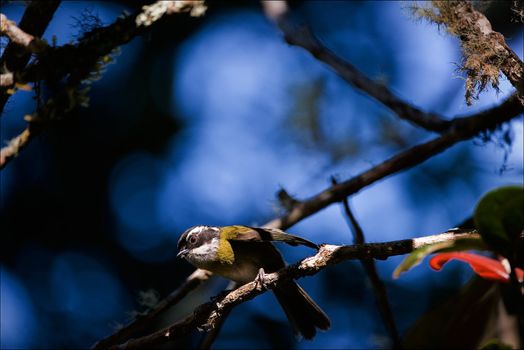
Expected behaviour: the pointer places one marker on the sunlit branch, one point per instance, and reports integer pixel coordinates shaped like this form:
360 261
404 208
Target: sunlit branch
15 34
299 34
371 270
35 20
18 143
206 315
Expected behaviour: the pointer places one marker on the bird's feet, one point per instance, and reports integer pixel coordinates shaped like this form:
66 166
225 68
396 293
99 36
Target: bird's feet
260 280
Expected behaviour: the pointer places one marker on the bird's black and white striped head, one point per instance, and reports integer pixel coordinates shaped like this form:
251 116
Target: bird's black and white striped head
199 244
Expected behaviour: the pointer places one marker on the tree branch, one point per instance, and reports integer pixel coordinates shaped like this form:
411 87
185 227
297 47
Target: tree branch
485 50
371 270
141 322
16 35
301 35
79 60
462 128
56 62
34 22
206 315
212 334
15 145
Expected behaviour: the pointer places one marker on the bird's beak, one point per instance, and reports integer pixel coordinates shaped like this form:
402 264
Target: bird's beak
182 253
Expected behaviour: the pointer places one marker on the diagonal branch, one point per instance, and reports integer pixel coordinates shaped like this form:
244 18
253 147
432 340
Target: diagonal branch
80 60
206 315
371 270
34 22
462 128
301 35
142 322
15 34
56 62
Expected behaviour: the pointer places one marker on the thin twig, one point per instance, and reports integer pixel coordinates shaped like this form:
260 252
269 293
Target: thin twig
141 322
298 34
371 270
206 315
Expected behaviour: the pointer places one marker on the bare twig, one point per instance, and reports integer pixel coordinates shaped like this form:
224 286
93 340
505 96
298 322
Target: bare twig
34 22
143 321
206 315
301 35
371 270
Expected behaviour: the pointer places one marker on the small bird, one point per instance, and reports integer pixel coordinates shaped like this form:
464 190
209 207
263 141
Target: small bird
241 253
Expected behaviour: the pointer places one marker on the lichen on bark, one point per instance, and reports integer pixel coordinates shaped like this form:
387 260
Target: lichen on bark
484 50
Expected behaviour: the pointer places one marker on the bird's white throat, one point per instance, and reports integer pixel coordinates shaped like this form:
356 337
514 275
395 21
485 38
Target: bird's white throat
204 254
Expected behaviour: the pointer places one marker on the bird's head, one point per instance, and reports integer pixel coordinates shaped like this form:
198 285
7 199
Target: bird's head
199 245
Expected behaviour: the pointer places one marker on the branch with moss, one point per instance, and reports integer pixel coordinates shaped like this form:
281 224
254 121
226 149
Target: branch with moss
206 315
56 62
485 51
35 20
83 60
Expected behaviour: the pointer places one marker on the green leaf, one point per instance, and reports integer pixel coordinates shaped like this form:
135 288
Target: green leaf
499 218
465 244
419 254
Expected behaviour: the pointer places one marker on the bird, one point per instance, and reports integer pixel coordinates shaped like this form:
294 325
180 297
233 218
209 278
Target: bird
242 254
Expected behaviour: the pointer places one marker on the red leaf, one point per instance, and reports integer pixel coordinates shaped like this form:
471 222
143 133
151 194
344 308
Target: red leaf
487 268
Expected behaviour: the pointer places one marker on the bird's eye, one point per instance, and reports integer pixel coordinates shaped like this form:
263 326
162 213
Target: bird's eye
192 239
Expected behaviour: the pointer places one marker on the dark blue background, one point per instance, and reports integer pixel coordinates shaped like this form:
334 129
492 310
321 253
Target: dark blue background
201 121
